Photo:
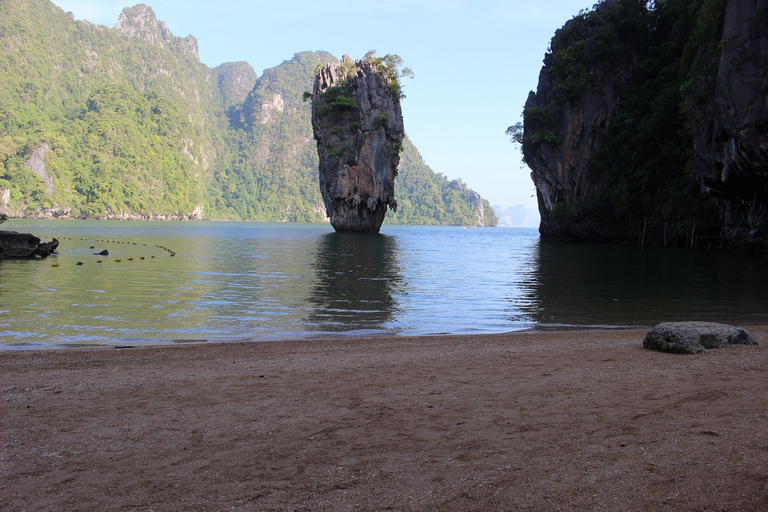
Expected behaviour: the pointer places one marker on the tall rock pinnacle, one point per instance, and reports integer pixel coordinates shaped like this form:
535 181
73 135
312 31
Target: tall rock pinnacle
358 125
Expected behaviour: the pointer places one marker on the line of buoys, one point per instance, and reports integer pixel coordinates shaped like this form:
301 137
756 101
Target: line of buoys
105 252
166 249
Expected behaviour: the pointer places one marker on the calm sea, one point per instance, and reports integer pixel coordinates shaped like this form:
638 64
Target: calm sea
231 281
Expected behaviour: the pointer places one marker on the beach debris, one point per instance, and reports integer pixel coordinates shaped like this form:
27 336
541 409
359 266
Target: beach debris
695 337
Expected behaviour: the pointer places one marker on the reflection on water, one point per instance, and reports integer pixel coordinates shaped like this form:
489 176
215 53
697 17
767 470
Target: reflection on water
355 277
249 281
617 285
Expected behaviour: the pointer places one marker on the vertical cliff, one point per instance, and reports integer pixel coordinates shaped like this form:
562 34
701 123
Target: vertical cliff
358 126
586 74
731 139
649 124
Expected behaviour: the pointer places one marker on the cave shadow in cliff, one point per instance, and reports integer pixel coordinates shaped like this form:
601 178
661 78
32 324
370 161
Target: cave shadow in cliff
606 285
356 277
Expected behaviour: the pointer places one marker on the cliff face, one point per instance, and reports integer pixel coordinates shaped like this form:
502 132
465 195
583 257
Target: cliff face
566 121
358 126
139 22
732 141
645 128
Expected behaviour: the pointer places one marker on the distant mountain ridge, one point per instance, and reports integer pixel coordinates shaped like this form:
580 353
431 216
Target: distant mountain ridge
128 123
516 217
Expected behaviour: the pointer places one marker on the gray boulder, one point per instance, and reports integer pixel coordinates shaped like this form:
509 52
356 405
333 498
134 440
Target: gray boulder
695 337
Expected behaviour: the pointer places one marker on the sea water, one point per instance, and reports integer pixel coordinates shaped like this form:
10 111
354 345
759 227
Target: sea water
178 282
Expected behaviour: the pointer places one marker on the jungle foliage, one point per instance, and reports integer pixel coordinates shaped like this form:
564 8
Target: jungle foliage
135 125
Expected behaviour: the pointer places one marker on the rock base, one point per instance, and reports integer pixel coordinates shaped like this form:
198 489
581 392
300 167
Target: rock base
347 217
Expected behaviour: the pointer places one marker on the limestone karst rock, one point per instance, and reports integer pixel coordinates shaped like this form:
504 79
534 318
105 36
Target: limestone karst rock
731 138
565 127
358 126
628 141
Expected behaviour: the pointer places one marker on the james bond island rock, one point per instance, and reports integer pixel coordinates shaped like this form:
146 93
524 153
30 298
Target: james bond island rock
358 126
695 337
645 128
23 245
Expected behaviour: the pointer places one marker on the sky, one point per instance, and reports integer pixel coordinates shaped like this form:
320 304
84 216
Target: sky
474 61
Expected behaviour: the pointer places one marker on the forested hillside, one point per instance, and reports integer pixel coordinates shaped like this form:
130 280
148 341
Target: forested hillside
126 122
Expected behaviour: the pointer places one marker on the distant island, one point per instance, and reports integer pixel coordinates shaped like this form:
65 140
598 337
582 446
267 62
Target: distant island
127 123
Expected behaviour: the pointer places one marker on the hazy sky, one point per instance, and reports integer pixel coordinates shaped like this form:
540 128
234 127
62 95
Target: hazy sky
474 62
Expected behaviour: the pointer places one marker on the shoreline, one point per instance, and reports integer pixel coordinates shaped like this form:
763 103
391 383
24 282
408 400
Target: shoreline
313 338
583 419
544 329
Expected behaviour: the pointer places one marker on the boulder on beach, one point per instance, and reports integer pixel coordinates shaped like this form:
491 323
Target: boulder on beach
695 337
24 245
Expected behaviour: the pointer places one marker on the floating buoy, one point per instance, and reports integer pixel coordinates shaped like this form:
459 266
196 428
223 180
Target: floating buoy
130 259
142 257
79 262
98 261
55 265
118 260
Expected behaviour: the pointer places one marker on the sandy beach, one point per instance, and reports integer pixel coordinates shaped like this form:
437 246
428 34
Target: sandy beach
584 420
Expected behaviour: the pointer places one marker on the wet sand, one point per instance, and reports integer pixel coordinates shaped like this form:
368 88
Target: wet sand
527 421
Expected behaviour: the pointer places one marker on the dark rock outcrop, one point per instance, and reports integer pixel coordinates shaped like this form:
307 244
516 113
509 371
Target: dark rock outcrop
610 147
695 337
358 126
565 126
23 245
732 140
